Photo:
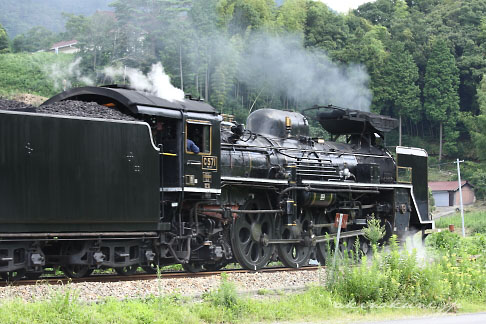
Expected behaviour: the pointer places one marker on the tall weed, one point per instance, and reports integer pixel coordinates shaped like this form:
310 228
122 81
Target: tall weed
394 274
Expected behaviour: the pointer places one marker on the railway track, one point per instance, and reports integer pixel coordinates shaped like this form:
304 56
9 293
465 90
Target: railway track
144 276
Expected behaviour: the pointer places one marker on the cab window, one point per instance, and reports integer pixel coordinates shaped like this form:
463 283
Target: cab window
199 132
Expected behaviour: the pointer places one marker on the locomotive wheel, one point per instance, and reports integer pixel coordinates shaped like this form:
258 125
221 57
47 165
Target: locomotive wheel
33 275
322 248
192 267
246 235
215 266
295 255
152 268
76 270
13 275
127 271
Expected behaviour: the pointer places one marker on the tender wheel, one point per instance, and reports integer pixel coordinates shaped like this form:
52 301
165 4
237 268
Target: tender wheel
76 270
13 275
215 266
127 271
295 255
246 235
192 267
152 266
33 275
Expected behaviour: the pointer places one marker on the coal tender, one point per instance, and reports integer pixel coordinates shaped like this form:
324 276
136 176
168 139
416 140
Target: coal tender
110 177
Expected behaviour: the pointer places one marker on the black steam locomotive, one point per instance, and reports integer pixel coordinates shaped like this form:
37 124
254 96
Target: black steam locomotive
84 193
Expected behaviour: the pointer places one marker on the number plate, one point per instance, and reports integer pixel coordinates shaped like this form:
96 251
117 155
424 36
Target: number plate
210 163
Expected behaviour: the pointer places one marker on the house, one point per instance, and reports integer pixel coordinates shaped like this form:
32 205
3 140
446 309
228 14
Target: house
446 193
67 47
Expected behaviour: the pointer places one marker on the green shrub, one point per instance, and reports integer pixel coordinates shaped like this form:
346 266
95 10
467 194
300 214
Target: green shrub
374 231
447 274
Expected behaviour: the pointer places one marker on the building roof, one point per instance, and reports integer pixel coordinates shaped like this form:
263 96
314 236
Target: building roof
447 185
64 44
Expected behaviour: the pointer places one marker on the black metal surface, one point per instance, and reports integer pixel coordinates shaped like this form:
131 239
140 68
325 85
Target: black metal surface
347 121
68 174
272 122
419 180
402 210
130 99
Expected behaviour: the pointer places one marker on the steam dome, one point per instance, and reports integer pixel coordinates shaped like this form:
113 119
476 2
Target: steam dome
272 122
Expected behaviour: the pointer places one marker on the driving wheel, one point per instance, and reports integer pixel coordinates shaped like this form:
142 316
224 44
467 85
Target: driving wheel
247 233
322 249
295 255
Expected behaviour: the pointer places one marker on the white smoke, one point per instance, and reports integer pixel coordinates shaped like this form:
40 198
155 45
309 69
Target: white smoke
308 76
63 76
156 82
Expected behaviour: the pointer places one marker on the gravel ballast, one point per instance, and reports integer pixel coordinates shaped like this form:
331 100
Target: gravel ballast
95 291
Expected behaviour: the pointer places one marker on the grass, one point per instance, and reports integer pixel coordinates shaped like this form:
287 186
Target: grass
436 174
38 73
395 283
221 306
474 221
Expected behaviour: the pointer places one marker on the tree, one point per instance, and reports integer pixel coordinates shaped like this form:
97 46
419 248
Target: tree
37 38
324 28
291 15
96 39
379 12
397 92
247 15
3 40
477 124
441 99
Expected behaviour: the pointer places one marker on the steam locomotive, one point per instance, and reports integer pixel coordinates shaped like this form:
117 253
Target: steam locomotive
85 193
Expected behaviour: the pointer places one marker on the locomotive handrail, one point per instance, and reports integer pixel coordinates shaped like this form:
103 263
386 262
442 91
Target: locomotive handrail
330 190
242 211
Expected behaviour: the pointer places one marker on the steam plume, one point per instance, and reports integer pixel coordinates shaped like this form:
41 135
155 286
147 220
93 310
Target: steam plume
64 76
156 82
307 76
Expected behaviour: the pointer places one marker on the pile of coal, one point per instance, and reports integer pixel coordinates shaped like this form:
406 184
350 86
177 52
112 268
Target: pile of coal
14 105
68 108
83 109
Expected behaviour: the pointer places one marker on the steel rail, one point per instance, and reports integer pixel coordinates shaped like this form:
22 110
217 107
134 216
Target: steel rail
145 276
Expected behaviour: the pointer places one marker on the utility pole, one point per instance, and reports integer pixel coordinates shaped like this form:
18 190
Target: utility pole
400 131
180 67
460 196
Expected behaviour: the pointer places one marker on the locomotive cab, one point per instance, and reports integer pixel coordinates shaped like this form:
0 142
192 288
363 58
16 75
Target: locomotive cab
173 125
